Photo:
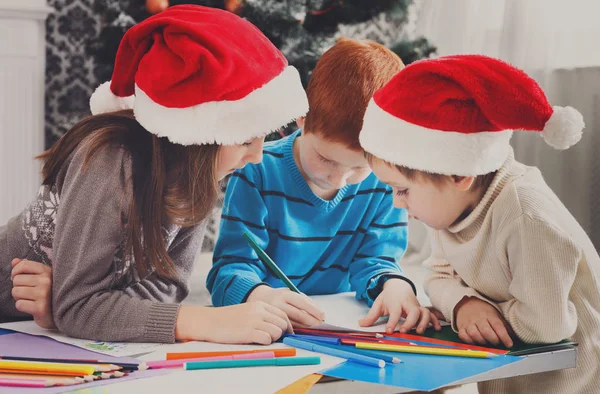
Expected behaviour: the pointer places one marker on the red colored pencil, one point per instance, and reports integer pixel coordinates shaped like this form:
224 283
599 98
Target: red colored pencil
353 341
336 334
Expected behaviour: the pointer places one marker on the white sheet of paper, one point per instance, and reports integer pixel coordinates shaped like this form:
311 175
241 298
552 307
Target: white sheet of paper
342 313
117 349
234 380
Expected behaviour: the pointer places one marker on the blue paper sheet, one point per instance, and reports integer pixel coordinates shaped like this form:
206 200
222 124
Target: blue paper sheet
3 331
419 371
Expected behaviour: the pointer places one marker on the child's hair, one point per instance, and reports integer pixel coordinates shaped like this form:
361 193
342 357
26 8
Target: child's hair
171 183
481 181
341 85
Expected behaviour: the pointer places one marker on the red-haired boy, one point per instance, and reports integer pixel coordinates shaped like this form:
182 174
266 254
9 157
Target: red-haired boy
318 211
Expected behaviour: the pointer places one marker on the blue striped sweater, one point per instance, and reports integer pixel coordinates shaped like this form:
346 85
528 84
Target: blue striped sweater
350 243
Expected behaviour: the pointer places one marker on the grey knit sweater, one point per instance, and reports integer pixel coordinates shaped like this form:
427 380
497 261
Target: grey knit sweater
76 226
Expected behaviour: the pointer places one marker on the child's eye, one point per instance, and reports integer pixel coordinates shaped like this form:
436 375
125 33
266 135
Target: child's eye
247 143
402 192
324 160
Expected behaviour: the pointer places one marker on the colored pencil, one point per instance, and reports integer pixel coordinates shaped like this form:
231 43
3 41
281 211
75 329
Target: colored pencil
354 341
130 366
98 367
110 375
66 380
283 352
368 353
316 338
280 362
179 363
25 383
57 373
50 367
313 347
425 350
264 257
443 342
339 334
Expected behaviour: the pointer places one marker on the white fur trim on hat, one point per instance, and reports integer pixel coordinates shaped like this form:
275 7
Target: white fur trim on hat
564 128
440 152
261 112
104 100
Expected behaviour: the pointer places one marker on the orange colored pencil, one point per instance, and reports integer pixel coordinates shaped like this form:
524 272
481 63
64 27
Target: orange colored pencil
287 352
57 373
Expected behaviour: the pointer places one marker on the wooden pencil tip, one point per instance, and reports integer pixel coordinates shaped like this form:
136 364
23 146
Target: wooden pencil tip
396 360
143 367
378 335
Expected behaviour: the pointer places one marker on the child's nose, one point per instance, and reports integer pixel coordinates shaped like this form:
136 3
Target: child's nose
337 179
255 158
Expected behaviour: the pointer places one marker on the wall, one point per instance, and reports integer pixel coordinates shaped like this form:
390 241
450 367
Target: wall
69 71
21 101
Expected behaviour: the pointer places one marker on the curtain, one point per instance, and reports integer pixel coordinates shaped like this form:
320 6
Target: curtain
555 42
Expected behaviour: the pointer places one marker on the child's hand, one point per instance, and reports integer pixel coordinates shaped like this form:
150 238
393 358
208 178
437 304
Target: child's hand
251 322
32 289
479 322
398 300
301 310
437 313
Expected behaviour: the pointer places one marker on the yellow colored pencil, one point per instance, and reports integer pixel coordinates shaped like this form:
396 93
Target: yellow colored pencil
32 367
437 351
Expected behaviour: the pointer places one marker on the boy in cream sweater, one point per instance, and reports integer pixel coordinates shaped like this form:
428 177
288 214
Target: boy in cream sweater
509 260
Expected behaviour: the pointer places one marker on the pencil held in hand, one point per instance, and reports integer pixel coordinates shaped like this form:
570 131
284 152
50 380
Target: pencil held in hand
264 257
299 308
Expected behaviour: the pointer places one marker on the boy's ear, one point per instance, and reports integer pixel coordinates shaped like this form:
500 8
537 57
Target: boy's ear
463 183
300 122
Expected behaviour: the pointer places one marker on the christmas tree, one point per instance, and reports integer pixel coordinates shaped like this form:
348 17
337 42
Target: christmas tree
301 29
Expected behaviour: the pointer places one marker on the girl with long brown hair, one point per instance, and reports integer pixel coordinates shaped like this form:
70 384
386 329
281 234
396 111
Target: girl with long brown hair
121 213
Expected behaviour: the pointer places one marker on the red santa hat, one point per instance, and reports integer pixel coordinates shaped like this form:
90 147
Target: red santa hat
455 115
200 75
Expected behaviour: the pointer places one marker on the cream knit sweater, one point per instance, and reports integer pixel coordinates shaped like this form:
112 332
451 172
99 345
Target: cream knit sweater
522 251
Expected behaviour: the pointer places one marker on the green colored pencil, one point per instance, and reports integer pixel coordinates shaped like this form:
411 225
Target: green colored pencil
264 257
284 361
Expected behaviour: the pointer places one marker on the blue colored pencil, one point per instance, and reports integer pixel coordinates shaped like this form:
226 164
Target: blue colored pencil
281 362
370 353
336 352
